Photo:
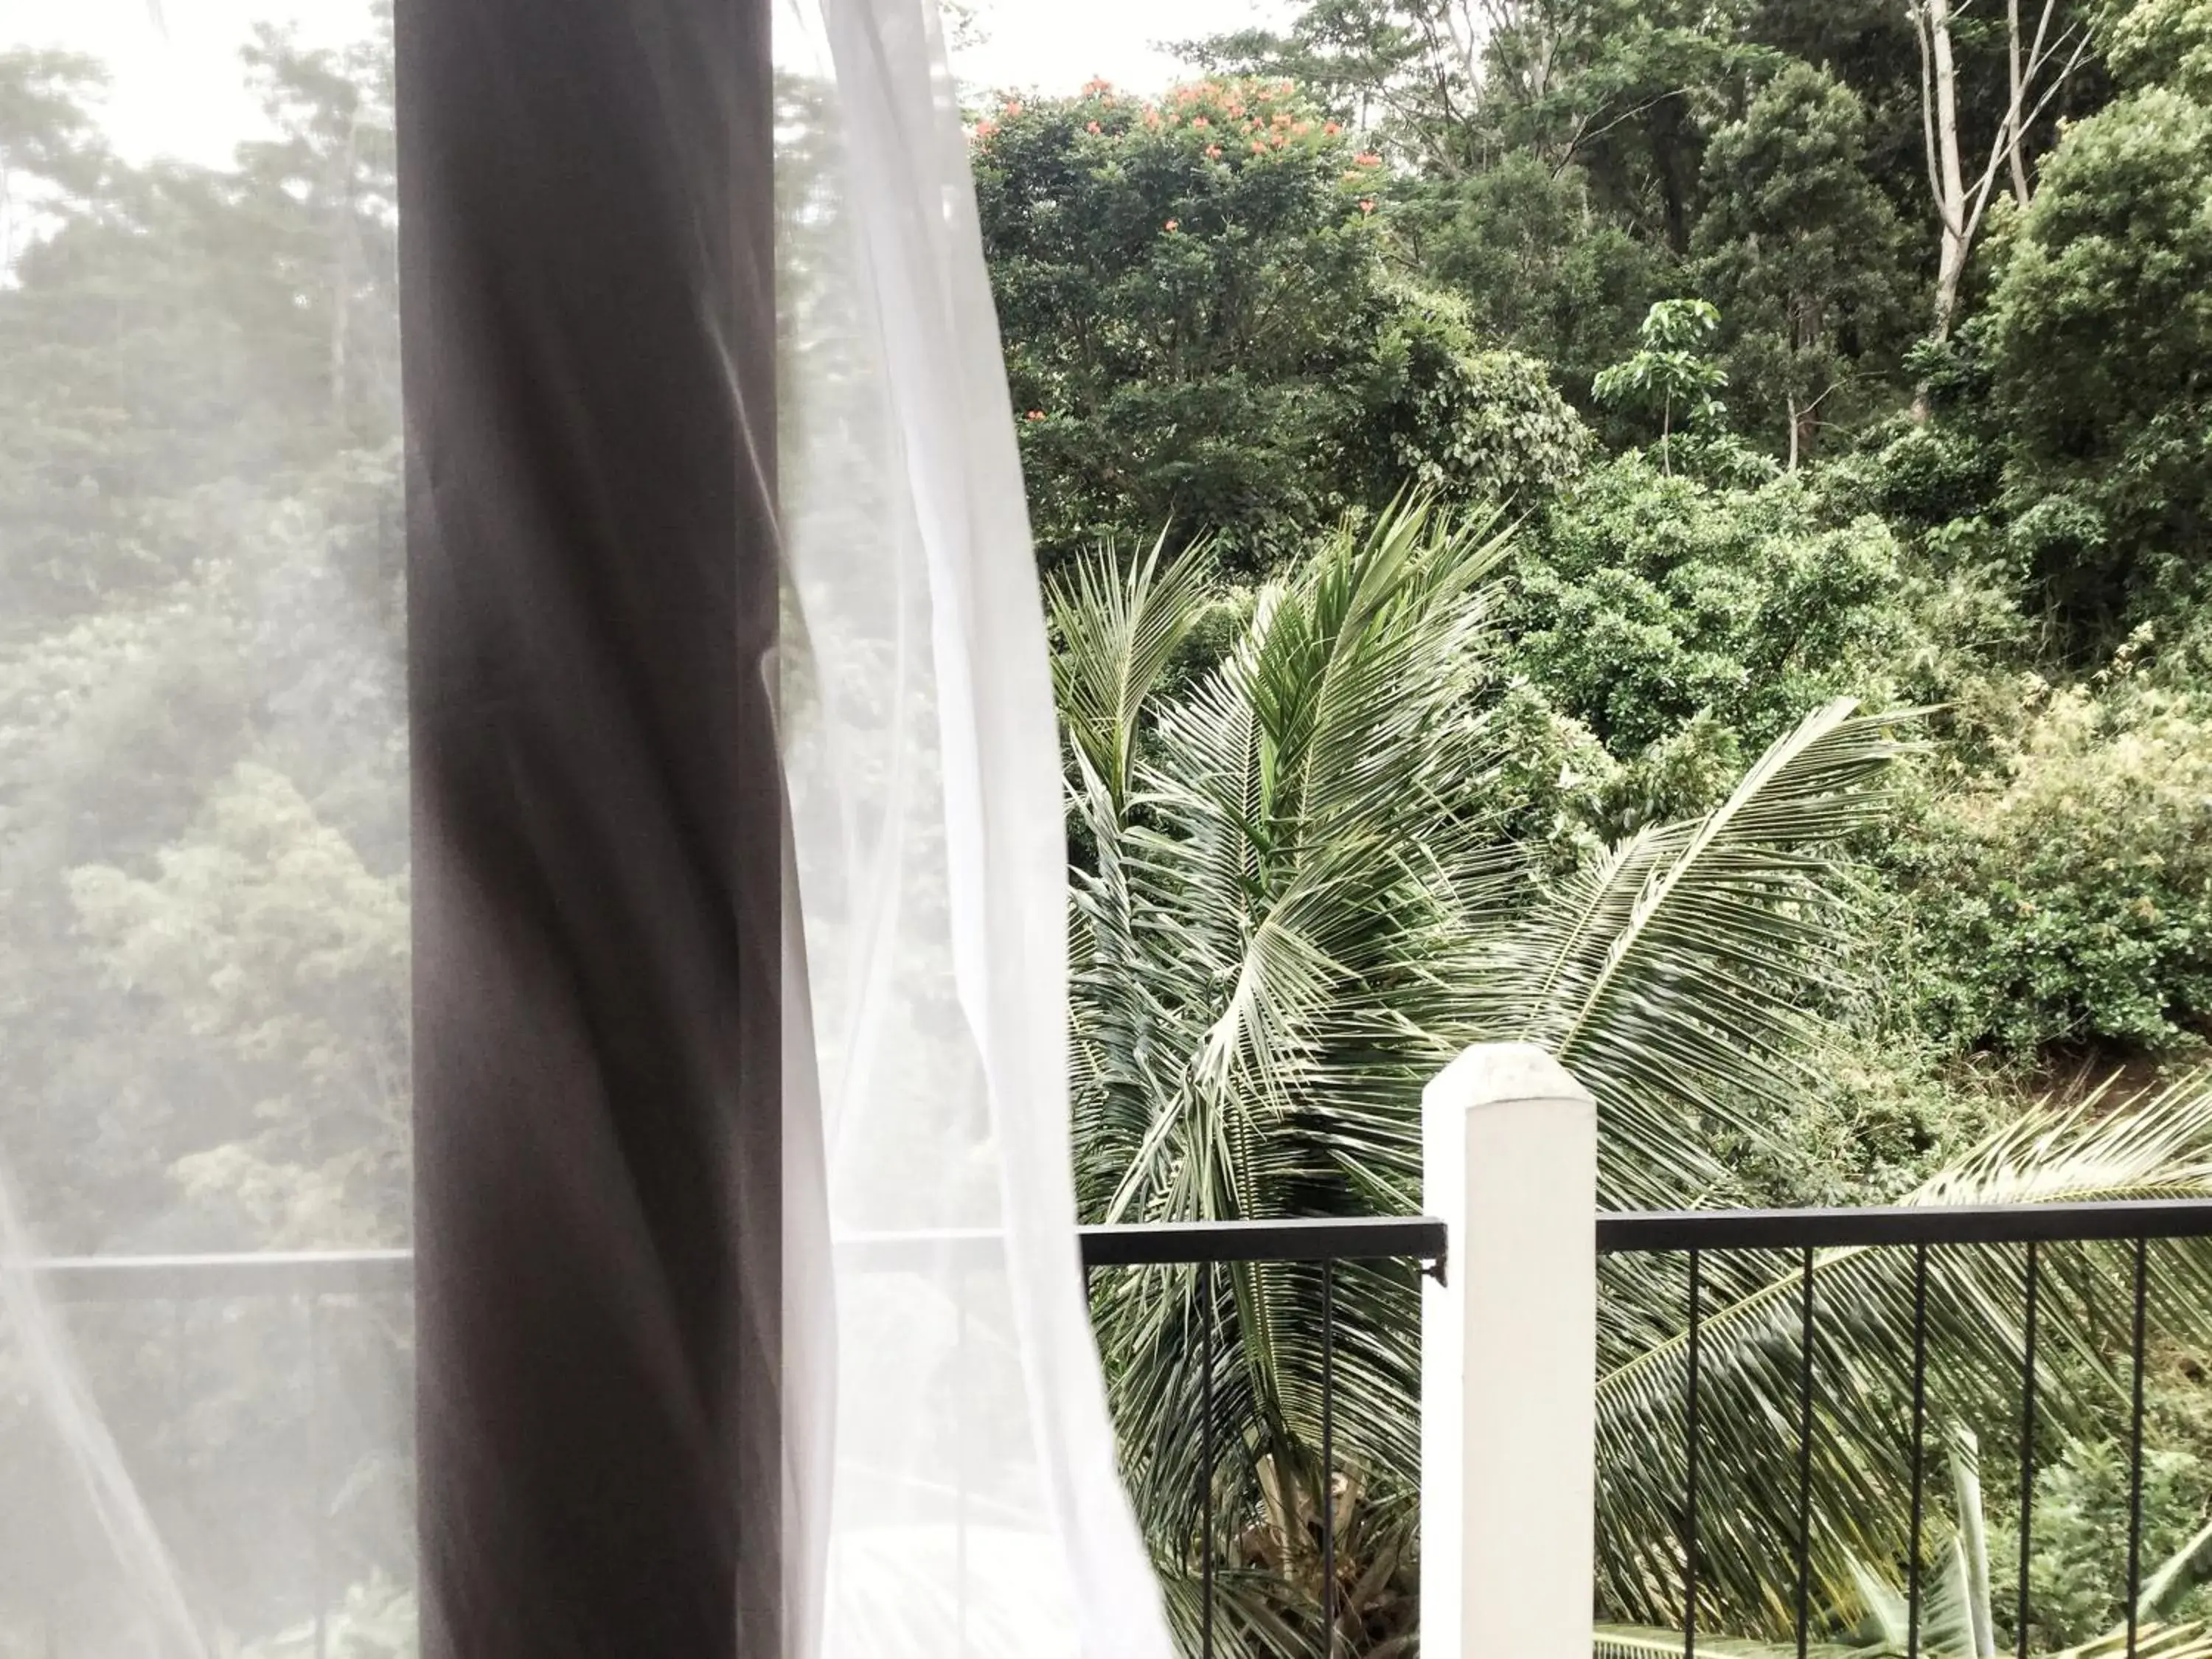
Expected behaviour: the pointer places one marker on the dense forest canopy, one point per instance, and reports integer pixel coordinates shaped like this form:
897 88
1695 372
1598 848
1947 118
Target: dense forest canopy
1755 354
1816 348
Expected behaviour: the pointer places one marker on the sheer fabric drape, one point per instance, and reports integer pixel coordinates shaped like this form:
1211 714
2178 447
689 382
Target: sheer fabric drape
205 1445
973 1502
204 859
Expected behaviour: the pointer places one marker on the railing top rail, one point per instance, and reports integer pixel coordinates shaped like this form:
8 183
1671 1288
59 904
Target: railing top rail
1359 1238
1364 1238
1649 1231
193 1277
363 1273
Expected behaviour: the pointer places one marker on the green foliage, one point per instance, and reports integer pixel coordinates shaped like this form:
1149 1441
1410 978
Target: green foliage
2159 43
2067 898
1803 255
2100 339
1202 330
2153 1145
1283 849
1188 291
1461 424
1647 601
1541 267
267 943
202 832
2077 1581
1970 522
1306 894
1670 375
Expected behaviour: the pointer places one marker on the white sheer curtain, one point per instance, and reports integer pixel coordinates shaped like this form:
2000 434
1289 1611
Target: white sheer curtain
203 981
204 972
973 1504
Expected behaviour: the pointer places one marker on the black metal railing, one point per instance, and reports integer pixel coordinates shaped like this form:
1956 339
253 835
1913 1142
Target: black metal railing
2044 1253
1211 1246
301 1285
245 1393
2125 1234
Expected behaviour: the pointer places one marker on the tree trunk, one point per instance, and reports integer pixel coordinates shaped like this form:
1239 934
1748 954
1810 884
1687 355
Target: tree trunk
2016 105
1950 172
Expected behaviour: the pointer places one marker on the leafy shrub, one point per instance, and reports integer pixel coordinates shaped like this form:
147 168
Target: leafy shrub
2077 1568
1648 600
2067 899
1462 423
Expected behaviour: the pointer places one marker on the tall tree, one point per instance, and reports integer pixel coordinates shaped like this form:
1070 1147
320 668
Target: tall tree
50 141
1204 330
332 165
2099 336
1803 253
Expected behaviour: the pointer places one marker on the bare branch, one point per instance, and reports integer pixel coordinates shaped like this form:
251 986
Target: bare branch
1920 32
2081 38
1580 133
2017 86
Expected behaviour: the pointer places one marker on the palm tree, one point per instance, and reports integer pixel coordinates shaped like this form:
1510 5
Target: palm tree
1301 893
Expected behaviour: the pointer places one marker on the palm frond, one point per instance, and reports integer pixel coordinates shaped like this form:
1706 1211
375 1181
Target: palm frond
1303 902
1255 1004
1674 976
1116 633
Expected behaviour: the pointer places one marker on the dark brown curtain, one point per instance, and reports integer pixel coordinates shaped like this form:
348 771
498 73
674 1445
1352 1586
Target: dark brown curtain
588 322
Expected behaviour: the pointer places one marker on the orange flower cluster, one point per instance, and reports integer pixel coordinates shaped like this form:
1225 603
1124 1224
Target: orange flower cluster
1205 106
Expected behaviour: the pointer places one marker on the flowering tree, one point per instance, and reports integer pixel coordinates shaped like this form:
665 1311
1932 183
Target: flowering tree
1202 330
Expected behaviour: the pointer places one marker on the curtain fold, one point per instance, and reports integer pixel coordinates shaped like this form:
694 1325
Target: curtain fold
974 1506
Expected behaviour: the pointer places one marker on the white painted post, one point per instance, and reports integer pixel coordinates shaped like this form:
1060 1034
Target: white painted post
1509 1357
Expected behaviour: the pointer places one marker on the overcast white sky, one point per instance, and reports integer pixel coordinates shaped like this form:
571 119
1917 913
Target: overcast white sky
176 85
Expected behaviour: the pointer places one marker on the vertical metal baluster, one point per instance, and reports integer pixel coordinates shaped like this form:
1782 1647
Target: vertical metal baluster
180 1402
962 1383
1805 1454
2028 1440
49 1586
316 1543
1690 1506
1919 1418
1206 1311
2136 1452
1328 1458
